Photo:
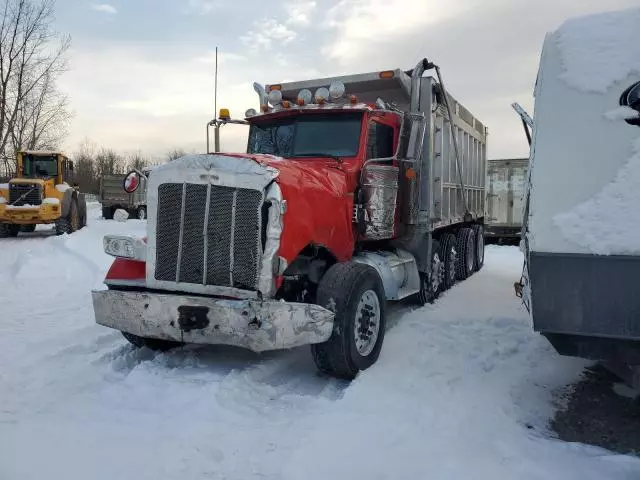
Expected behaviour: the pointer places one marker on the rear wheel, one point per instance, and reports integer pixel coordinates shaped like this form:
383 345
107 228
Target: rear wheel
71 222
450 260
107 213
478 231
431 285
141 213
152 343
9 230
28 228
355 294
466 253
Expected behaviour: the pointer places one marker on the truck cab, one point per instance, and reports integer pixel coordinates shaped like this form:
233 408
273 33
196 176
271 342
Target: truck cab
351 193
41 193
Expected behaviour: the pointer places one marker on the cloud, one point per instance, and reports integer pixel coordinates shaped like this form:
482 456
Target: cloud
267 31
104 8
299 12
203 7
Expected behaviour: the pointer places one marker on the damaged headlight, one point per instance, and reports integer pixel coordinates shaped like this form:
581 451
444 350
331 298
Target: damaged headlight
125 247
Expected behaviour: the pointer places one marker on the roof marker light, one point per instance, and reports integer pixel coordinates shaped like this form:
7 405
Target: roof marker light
275 97
336 89
305 96
322 95
387 74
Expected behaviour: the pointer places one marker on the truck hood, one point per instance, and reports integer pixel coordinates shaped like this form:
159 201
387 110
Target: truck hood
28 181
252 171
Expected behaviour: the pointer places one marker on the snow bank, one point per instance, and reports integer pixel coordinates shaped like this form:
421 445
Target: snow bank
609 222
120 215
599 50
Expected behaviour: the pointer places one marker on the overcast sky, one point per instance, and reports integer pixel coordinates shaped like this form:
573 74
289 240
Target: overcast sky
141 71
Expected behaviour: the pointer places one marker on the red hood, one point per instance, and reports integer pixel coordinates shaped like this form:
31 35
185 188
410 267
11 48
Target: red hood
319 199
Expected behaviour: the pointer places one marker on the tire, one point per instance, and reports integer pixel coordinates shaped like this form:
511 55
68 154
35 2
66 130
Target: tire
466 253
449 250
28 228
107 213
478 231
349 290
151 343
141 213
431 285
9 230
71 222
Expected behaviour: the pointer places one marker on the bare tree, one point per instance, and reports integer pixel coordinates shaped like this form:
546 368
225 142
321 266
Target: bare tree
137 161
32 112
175 153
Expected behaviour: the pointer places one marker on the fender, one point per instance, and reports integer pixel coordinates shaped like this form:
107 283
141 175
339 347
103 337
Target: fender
69 194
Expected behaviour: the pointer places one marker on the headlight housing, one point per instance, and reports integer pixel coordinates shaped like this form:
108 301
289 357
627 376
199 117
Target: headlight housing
124 246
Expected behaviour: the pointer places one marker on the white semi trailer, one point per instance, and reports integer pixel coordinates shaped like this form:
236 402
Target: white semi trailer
582 204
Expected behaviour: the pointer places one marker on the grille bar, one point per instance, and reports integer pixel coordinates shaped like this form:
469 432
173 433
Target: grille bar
233 232
179 260
205 234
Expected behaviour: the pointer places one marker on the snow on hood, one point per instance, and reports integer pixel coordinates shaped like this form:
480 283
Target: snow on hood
63 187
4 186
600 50
221 169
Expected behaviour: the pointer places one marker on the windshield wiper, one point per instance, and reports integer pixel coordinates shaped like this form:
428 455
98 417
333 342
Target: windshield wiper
313 154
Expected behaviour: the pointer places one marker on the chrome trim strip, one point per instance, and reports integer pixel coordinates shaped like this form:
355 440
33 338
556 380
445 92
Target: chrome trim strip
184 198
205 235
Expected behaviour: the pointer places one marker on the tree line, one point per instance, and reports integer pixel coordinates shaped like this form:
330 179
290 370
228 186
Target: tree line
92 162
34 114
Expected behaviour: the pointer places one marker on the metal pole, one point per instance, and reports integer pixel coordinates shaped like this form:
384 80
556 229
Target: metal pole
216 137
215 89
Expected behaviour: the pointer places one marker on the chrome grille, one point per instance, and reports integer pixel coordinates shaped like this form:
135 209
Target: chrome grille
220 243
24 194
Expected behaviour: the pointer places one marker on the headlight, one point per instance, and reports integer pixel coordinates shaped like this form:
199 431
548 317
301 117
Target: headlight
124 247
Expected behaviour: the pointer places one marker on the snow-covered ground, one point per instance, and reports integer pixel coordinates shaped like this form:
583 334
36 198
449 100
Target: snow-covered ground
463 390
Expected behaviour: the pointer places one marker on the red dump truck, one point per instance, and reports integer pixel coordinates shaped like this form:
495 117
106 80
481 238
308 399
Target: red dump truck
353 191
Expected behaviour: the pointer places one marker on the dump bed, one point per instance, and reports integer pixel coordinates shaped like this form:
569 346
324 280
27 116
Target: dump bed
442 202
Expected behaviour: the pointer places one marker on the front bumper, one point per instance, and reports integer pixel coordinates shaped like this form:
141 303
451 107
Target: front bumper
45 213
253 324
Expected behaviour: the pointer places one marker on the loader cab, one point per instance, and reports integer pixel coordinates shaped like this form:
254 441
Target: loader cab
45 166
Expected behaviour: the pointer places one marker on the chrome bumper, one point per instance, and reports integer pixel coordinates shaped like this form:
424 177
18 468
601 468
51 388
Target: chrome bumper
253 324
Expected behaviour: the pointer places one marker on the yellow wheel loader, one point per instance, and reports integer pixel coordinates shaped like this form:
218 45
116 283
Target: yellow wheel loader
41 193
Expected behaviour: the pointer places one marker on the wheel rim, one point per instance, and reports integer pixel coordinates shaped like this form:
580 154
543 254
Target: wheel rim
469 253
367 324
480 252
436 272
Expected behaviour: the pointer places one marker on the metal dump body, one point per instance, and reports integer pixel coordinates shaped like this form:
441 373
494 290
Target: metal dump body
505 196
443 201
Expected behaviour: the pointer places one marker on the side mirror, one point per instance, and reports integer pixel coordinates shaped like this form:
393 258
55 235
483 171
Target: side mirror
131 181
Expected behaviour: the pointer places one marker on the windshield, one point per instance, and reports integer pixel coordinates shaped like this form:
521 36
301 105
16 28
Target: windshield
40 165
314 135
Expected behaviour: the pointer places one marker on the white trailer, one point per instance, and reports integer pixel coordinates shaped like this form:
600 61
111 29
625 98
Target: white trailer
505 198
582 220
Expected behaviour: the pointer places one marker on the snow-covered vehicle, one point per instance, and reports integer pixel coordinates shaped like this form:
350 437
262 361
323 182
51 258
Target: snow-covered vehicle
582 210
371 189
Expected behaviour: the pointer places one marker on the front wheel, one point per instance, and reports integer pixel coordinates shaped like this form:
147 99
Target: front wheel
151 343
354 292
466 253
478 231
71 222
9 230
431 285
28 228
